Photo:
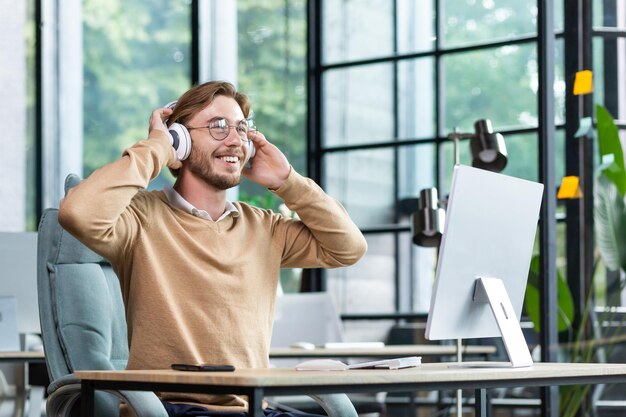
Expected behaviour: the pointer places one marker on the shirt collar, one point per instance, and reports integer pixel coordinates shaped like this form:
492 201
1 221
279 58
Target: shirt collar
177 200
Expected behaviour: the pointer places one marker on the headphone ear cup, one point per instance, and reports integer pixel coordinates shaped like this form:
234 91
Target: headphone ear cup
251 150
181 140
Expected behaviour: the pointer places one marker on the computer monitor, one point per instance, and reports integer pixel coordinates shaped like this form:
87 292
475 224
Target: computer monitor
484 259
18 276
306 317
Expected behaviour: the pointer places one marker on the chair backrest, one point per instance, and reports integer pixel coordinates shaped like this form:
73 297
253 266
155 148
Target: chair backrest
80 304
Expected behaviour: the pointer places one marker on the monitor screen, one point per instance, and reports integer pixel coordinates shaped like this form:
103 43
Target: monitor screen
18 275
490 228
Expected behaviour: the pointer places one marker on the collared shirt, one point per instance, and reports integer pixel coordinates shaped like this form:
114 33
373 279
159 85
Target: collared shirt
177 200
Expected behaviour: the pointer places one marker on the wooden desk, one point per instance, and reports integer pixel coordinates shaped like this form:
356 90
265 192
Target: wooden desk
21 382
391 351
257 383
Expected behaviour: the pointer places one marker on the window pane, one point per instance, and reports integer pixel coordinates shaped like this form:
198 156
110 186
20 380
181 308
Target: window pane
363 181
416 99
272 72
416 25
416 171
136 58
356 29
609 75
559 82
559 18
498 84
368 285
17 88
358 105
612 16
467 22
417 274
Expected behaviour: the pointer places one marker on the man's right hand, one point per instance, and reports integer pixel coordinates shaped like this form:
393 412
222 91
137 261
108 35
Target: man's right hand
157 124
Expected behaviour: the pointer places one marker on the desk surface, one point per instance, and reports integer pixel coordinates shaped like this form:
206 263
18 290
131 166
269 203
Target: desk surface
257 383
426 375
390 351
22 357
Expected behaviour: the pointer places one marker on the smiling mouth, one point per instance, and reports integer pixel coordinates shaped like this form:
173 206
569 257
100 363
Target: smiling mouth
229 159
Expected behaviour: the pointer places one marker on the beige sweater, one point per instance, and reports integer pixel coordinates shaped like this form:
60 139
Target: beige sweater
198 291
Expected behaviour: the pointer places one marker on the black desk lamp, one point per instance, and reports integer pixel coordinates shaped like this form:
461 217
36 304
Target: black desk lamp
488 148
428 220
488 152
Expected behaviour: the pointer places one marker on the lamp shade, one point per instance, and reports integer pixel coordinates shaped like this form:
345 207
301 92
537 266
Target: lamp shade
488 148
428 220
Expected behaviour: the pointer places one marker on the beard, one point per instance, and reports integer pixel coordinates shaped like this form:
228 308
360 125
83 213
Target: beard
201 165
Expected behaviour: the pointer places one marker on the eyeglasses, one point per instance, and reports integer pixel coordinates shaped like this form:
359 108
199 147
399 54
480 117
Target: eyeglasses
219 128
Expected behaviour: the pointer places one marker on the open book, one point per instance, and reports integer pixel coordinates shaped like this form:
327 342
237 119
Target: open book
334 365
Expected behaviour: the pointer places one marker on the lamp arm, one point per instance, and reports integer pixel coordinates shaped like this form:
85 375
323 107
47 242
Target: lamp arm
456 136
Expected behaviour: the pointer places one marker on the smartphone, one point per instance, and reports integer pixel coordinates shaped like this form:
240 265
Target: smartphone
202 368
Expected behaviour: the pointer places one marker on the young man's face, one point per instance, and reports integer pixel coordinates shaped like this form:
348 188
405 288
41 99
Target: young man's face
218 162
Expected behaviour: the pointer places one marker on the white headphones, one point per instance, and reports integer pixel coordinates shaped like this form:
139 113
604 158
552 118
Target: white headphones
180 138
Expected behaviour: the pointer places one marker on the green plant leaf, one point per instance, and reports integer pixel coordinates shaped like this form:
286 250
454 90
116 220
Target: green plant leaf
610 223
610 149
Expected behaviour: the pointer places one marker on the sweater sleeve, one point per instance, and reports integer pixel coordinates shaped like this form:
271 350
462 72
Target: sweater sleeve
325 236
98 211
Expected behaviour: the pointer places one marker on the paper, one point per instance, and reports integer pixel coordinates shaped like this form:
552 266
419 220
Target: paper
583 83
354 345
584 128
570 188
334 365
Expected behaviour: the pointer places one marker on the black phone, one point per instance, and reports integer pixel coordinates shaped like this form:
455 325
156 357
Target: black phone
202 368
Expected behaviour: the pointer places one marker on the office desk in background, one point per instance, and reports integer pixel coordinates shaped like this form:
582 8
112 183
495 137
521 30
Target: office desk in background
390 351
258 383
22 387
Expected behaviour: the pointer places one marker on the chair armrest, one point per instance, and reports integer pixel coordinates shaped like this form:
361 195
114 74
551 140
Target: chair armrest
65 391
143 403
336 405
63 381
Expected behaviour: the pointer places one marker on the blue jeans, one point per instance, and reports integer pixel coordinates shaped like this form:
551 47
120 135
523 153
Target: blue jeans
188 410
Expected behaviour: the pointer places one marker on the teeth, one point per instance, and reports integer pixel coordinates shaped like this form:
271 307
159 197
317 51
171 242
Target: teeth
229 158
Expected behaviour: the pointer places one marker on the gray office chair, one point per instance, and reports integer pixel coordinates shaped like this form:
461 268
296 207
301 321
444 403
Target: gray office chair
84 328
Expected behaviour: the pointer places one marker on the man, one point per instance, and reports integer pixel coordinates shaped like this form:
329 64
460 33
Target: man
198 273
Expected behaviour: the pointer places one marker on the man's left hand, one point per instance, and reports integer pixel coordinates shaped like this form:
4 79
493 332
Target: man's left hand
269 167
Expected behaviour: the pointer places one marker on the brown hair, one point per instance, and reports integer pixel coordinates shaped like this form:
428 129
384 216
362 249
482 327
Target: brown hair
200 96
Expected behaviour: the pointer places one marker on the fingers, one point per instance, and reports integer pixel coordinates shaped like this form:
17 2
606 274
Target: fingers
158 117
257 137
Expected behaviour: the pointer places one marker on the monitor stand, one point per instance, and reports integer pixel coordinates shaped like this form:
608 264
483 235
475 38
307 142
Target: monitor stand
492 291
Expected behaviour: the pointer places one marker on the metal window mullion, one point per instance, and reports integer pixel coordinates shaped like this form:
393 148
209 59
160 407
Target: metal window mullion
579 226
315 120
39 108
439 105
547 227
610 58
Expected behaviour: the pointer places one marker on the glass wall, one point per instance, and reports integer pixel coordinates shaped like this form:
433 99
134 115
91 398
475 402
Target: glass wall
396 78
135 59
17 106
272 71
107 64
609 64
